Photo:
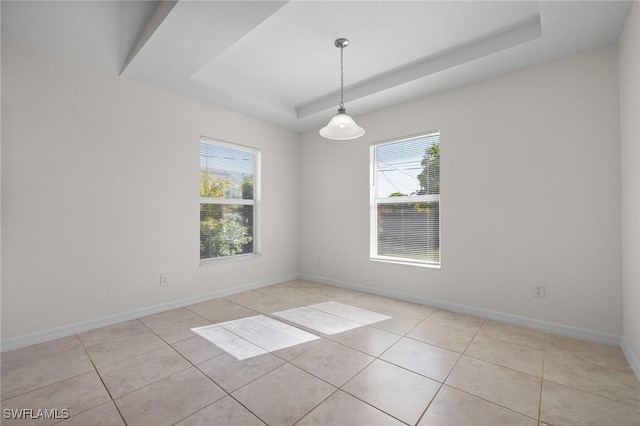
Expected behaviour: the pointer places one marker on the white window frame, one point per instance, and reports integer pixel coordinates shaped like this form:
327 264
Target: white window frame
375 201
255 202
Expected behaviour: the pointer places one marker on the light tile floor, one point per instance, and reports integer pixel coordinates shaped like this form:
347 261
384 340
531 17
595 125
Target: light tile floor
423 366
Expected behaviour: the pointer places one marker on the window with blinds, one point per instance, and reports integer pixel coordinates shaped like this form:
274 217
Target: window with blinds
405 200
228 200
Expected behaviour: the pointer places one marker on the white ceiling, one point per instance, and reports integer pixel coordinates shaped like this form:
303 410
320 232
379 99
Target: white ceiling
276 61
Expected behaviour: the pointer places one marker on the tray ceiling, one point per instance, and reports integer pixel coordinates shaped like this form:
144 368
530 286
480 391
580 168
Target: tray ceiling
276 60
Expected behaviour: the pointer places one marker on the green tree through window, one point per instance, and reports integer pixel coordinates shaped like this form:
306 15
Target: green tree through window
429 177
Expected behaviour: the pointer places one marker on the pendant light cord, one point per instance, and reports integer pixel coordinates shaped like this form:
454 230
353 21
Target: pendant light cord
341 78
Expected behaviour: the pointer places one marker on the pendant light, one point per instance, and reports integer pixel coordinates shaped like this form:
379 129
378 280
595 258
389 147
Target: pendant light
341 127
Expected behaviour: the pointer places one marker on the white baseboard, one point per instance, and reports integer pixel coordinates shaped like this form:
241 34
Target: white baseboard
68 330
632 358
546 326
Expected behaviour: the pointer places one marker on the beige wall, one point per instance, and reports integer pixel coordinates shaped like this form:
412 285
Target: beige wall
100 195
530 194
630 155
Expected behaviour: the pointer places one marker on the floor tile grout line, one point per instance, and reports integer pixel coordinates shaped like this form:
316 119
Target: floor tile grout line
421 374
442 384
87 344
218 322
112 400
328 336
637 407
171 345
489 362
315 406
209 300
346 346
130 356
510 341
494 363
577 388
180 340
441 325
433 344
378 358
363 324
461 355
301 327
473 338
271 370
256 309
47 385
262 375
197 411
503 366
172 321
58 381
255 344
325 380
435 395
210 378
315 376
258 313
366 402
258 290
542 379
489 401
579 360
399 337
246 384
148 384
248 409
163 378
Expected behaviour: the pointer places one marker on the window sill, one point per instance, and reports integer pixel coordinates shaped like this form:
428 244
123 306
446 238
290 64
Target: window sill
229 259
406 262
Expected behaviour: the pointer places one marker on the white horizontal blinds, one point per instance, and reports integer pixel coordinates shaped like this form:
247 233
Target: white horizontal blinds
227 204
407 180
230 169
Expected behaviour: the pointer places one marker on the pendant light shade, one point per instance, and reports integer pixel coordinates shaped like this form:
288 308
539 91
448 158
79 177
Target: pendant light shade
341 127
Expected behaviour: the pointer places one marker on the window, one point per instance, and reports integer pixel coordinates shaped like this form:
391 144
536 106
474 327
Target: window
228 199
405 200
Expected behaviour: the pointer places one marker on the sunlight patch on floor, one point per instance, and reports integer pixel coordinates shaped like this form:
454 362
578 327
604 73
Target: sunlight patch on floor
248 337
331 317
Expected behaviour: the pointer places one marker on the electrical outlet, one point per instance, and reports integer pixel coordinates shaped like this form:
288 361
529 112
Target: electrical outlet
539 290
164 279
